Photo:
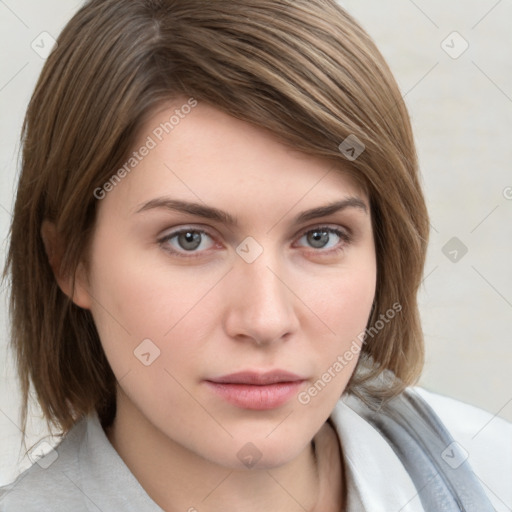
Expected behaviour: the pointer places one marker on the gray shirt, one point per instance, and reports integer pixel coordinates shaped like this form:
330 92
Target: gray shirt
85 473
87 476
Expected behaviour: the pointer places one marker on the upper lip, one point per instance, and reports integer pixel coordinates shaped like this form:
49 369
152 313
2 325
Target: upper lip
257 378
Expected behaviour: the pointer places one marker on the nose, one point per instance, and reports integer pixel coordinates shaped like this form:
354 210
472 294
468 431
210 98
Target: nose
261 306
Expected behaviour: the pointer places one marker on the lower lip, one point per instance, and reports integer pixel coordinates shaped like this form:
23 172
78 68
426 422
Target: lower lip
258 398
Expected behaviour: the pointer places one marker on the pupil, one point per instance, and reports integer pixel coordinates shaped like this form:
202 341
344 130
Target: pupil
318 239
189 240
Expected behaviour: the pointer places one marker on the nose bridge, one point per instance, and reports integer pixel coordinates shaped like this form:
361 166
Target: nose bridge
262 307
264 284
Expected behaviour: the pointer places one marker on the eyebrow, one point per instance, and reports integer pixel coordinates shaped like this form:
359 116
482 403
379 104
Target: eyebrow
324 211
211 213
208 212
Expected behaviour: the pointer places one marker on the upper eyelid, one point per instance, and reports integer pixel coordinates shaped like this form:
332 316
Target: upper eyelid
198 254
332 227
344 234
173 232
205 229
170 232
189 254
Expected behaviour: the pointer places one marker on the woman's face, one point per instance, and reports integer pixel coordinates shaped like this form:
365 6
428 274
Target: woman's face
224 251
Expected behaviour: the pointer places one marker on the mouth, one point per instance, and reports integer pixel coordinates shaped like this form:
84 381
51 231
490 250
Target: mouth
257 390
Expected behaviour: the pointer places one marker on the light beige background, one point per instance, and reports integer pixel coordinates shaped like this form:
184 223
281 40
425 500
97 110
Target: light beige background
461 110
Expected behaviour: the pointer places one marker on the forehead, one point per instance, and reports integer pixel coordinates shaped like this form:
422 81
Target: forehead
203 154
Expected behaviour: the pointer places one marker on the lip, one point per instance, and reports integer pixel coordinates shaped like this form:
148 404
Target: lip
257 390
257 378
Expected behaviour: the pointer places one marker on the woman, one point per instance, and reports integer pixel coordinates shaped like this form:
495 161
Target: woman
220 231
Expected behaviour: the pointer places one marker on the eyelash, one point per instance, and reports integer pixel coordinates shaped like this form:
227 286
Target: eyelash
184 254
344 236
345 239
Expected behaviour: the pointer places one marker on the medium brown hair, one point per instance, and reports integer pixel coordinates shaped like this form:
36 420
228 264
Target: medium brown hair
302 69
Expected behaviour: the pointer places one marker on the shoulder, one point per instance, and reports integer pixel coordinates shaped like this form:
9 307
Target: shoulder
370 433
49 484
82 473
484 439
465 420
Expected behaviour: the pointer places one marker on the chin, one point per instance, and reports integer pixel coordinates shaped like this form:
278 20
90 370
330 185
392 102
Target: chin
264 452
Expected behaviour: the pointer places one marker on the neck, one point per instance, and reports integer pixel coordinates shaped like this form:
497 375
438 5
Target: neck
179 479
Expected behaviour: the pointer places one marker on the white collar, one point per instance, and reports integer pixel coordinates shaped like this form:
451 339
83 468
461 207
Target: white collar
377 481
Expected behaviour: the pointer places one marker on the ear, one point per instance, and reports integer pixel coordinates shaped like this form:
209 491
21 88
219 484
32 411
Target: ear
54 248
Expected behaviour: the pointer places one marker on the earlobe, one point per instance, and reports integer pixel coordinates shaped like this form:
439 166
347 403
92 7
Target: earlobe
54 248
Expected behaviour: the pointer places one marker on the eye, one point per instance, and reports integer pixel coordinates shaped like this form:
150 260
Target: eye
324 238
187 241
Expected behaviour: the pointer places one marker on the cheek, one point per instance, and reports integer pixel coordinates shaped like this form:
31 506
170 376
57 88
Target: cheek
343 298
138 297
128 287
343 305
